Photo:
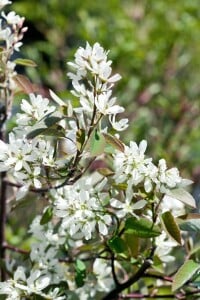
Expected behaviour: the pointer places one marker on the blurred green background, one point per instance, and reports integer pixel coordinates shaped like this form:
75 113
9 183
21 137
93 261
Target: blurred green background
154 45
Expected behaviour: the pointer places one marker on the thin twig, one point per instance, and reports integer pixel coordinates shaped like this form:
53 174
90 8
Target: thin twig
113 295
15 249
179 296
62 260
113 270
165 278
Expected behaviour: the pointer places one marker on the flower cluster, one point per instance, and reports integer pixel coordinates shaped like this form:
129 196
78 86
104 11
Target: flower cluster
134 167
47 270
100 280
21 287
81 206
27 161
33 162
34 111
91 65
11 34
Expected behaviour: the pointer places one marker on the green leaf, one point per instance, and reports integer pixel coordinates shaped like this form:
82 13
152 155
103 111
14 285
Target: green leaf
120 186
132 242
105 171
47 126
21 203
80 266
185 273
47 216
190 225
97 143
143 228
39 129
117 244
183 196
80 138
157 264
80 272
114 142
25 62
52 119
55 131
171 226
195 251
79 279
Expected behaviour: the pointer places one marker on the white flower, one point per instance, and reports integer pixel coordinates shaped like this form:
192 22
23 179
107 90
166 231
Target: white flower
12 18
46 153
17 154
176 207
105 104
3 156
118 125
89 57
151 176
34 110
17 46
131 164
4 2
128 206
20 274
164 245
22 287
104 71
103 273
93 60
168 178
68 144
8 289
30 177
38 281
80 207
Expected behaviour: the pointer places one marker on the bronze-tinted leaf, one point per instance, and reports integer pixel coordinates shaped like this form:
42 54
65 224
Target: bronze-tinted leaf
171 226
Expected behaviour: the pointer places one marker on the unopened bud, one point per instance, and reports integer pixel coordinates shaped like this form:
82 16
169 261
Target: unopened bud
24 29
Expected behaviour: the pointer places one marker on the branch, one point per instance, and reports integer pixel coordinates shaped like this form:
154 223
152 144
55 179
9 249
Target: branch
67 181
62 260
142 296
15 249
180 296
165 278
2 214
113 295
113 270
42 190
2 222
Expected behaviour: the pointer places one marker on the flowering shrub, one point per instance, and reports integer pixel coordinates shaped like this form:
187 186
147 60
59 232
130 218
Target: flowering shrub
114 220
